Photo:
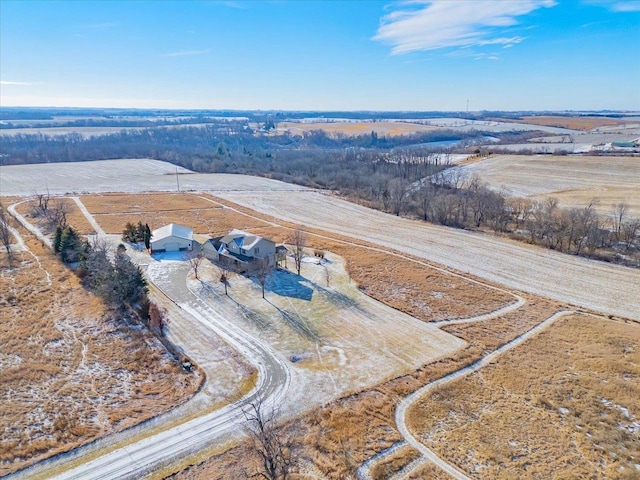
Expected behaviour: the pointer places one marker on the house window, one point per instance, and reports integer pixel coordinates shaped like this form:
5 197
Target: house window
256 251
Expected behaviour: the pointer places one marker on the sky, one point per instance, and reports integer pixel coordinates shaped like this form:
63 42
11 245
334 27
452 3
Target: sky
450 55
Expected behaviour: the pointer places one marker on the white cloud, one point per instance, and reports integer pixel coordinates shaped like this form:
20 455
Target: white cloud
6 82
617 5
187 53
430 25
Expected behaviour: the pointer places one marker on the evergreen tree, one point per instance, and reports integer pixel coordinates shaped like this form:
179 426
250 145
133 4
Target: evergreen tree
139 232
57 239
131 286
147 236
100 277
128 234
71 247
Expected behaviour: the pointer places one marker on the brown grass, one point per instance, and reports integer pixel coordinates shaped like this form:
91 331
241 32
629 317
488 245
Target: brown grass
573 123
393 463
429 471
506 419
75 218
356 128
113 212
70 374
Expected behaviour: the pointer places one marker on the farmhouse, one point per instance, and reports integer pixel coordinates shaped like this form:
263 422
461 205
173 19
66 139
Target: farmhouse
172 238
245 252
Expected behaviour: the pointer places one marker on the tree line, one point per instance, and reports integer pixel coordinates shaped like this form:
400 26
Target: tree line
224 144
448 198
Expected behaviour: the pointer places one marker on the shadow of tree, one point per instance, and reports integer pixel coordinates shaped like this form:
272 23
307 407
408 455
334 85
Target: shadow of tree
288 284
298 324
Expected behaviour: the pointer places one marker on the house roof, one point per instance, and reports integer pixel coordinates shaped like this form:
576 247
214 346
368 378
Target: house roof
241 239
172 230
212 243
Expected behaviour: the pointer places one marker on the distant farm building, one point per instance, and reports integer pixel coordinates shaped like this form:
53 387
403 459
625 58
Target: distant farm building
172 238
245 252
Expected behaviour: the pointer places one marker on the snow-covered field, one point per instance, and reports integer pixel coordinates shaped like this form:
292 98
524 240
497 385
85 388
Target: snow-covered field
125 175
575 180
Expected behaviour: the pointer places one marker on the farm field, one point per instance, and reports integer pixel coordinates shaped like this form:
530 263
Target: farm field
404 283
563 405
85 132
589 284
354 128
576 123
574 180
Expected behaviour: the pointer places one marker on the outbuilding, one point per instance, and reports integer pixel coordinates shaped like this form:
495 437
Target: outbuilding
172 238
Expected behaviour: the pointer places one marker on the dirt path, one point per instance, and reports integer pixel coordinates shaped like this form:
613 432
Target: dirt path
98 229
26 224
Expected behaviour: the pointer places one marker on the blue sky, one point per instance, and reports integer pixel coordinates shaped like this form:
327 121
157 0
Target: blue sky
322 55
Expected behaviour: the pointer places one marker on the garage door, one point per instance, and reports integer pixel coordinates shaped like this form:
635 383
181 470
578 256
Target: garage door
172 247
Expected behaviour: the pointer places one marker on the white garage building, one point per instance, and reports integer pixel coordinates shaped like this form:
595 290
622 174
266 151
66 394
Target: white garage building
172 238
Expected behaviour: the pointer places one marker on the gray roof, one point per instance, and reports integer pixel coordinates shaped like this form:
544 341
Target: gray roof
242 239
172 230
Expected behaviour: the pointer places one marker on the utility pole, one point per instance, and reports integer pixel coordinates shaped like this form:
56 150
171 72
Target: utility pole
177 180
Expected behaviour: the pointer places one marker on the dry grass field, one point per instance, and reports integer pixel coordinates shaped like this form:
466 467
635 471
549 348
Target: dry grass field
564 405
355 128
75 218
113 211
70 373
574 180
573 123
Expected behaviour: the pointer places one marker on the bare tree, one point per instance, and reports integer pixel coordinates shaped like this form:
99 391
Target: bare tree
5 233
398 195
157 319
195 260
269 440
298 241
630 230
262 272
225 270
426 195
40 204
327 275
56 215
618 214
